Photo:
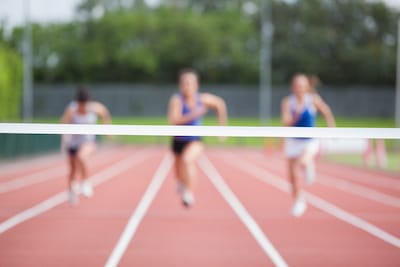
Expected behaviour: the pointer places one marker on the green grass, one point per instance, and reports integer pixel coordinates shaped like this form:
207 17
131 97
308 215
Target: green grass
247 121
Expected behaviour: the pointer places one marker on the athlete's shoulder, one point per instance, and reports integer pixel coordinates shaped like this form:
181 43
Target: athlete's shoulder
96 106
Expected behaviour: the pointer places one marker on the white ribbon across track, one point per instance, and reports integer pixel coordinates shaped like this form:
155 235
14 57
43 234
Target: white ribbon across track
226 131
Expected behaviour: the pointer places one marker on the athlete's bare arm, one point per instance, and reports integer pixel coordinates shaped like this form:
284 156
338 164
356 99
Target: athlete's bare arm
218 104
102 112
175 116
325 110
287 118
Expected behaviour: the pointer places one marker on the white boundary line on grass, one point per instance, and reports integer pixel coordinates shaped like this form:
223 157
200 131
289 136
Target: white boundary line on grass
315 201
61 197
255 230
140 211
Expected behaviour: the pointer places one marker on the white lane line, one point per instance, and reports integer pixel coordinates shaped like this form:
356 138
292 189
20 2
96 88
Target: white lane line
30 180
365 177
14 167
241 212
359 190
315 201
355 175
48 174
350 187
61 197
140 211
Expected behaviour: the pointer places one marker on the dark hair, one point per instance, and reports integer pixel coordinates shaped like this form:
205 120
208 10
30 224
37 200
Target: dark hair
82 94
187 71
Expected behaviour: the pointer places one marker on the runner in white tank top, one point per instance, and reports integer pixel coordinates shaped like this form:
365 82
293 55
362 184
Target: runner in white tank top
79 147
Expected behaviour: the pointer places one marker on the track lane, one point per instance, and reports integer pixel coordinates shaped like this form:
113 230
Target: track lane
16 201
17 166
81 235
102 157
303 241
390 182
386 217
208 234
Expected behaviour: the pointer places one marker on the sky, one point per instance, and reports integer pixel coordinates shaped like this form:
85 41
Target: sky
12 11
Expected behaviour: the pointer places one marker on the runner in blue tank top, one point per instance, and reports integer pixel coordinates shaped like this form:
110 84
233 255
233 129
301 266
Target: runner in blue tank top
187 108
300 110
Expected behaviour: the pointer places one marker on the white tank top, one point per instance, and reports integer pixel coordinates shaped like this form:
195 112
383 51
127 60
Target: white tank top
90 117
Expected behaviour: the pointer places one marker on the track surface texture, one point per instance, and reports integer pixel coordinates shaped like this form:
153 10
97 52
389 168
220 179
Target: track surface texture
241 216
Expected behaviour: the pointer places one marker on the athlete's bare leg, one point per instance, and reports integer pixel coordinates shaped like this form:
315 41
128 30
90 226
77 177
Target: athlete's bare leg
292 162
381 155
185 166
72 170
299 205
307 162
84 152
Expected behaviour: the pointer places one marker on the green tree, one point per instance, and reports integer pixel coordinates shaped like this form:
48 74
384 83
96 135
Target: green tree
343 41
10 84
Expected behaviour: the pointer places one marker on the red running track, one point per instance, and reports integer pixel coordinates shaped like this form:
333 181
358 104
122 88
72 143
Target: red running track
241 216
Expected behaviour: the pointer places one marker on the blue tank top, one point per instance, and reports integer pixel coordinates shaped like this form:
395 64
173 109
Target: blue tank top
186 110
307 116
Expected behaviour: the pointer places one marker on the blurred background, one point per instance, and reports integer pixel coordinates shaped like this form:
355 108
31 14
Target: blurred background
129 52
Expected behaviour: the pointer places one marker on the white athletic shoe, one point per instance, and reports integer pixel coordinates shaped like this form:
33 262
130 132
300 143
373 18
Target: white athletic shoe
299 207
309 174
87 189
187 198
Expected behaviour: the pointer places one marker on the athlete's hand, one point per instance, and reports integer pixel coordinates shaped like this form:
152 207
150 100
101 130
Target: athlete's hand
296 117
199 111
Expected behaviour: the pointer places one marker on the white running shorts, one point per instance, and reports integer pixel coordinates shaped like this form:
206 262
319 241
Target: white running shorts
295 147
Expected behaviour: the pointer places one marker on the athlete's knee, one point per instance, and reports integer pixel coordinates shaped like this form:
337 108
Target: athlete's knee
188 159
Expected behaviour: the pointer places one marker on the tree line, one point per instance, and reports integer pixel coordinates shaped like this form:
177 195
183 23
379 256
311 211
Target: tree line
348 42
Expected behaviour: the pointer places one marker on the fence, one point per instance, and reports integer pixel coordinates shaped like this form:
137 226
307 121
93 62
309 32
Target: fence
128 100
16 145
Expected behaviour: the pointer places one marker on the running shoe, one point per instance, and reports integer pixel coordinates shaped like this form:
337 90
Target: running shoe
87 189
299 207
187 198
